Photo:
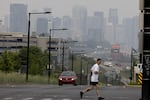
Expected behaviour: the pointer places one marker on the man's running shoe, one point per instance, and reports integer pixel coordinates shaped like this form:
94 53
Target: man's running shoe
100 98
81 94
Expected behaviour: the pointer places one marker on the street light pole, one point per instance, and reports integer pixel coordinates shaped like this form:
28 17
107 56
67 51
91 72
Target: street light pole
27 70
49 69
28 41
50 39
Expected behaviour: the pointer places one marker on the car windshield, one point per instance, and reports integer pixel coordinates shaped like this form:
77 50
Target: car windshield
68 73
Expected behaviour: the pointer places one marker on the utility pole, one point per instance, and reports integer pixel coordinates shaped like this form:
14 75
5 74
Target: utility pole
144 40
81 71
72 61
131 69
50 54
72 54
63 56
132 76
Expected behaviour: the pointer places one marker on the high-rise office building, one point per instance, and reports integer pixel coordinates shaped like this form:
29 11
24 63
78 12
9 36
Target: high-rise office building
18 18
57 24
93 29
42 26
113 19
131 31
2 27
67 23
79 15
6 23
109 33
101 24
113 16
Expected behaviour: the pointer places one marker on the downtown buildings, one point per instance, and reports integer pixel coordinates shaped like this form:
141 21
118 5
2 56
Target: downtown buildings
95 29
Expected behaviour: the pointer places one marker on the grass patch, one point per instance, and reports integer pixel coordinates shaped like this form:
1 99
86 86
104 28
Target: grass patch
12 78
17 78
134 83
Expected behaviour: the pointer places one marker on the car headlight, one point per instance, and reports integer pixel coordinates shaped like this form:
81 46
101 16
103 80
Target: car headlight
73 78
60 78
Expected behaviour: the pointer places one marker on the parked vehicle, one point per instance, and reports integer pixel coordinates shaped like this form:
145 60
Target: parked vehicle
67 77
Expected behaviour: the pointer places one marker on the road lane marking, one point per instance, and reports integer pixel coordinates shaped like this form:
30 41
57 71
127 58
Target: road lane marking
27 98
9 98
120 97
47 99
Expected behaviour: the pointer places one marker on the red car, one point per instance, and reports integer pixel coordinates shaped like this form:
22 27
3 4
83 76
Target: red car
67 77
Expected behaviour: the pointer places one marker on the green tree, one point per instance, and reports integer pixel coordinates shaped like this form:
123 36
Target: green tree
23 55
9 61
15 60
37 60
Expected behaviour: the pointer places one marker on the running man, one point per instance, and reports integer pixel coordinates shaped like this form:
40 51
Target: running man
94 80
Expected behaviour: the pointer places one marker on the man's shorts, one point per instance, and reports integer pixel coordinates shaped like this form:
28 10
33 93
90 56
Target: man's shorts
93 83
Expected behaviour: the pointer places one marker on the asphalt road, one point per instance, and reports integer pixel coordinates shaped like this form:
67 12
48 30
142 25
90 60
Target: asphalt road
65 92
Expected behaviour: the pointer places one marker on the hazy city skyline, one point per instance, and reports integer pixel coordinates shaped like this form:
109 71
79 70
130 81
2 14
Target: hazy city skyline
126 8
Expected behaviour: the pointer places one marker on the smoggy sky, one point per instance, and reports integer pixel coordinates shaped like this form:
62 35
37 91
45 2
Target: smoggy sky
126 8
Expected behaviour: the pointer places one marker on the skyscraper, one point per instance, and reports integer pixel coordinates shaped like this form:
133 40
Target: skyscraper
18 18
113 19
57 24
131 31
67 23
42 26
93 29
101 26
79 15
2 28
6 23
113 16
